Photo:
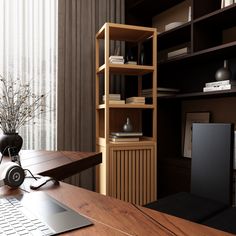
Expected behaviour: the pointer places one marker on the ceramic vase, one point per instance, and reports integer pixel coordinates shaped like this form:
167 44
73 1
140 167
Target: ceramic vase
128 126
10 140
223 73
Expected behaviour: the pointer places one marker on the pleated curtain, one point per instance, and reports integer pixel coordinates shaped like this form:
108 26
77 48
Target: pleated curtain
28 51
79 20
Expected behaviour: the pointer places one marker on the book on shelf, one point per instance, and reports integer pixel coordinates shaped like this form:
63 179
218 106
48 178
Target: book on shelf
217 88
178 52
126 139
135 100
112 96
116 59
131 62
116 102
127 134
217 83
173 25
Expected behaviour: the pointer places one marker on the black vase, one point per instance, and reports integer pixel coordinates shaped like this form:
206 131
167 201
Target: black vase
10 140
223 73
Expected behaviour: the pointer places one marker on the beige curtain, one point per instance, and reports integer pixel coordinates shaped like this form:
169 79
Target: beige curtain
79 20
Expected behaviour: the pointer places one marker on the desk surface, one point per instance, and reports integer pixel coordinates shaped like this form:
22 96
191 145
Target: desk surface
58 164
115 217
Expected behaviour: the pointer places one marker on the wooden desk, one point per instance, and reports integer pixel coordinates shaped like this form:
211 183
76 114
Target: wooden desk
58 164
115 217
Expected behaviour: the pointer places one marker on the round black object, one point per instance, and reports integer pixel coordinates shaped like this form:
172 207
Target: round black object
10 140
15 176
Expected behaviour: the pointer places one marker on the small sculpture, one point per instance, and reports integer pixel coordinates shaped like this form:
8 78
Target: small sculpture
127 127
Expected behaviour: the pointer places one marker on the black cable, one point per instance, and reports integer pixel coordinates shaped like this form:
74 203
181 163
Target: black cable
170 231
3 153
36 178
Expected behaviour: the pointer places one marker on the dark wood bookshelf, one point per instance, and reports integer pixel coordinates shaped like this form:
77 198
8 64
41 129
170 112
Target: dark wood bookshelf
227 49
221 93
228 13
177 36
205 35
147 8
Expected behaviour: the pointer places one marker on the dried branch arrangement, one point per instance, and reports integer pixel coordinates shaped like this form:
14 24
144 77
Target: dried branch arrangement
18 104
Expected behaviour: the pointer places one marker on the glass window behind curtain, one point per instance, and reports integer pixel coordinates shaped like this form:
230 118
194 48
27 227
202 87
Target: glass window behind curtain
28 50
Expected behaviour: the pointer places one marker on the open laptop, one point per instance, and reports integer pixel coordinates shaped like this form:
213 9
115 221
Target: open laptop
40 207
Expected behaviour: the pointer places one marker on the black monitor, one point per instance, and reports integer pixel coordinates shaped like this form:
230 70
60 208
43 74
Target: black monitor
212 161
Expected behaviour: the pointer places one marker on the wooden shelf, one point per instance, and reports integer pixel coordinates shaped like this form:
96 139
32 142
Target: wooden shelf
126 69
177 30
228 13
222 93
149 8
126 106
143 141
228 49
125 32
127 144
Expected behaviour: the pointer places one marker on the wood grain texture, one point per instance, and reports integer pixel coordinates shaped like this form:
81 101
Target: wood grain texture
58 164
115 217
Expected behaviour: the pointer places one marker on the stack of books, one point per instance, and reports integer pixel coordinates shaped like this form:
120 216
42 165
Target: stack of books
217 86
135 100
125 136
114 99
116 59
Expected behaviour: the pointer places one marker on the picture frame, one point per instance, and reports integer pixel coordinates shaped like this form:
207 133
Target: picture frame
192 117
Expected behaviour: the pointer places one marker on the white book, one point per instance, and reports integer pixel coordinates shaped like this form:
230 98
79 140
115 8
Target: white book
112 96
178 52
127 139
217 83
116 57
127 134
117 62
218 88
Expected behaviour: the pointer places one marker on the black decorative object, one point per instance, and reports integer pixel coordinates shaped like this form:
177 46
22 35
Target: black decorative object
130 56
10 140
128 126
223 73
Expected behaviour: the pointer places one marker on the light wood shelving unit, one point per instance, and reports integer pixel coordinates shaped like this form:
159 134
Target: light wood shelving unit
128 171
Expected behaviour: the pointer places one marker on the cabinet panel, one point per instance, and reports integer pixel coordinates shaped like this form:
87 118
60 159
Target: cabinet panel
132 173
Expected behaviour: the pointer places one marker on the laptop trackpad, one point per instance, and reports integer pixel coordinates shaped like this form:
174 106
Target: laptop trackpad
58 216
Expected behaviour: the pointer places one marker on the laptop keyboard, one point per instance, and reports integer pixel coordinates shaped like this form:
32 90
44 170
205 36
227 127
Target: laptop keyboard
17 220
